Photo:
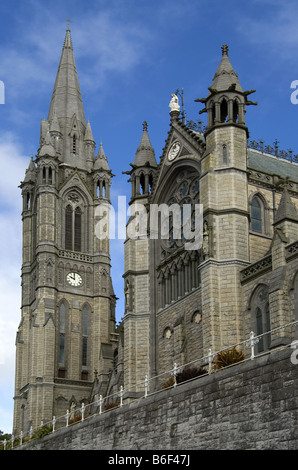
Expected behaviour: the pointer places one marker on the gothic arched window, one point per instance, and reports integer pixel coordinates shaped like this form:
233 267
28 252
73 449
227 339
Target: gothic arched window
78 230
224 154
44 175
62 338
85 351
256 215
261 317
235 111
50 179
84 336
263 325
73 228
62 318
142 183
224 110
150 182
28 197
68 228
212 113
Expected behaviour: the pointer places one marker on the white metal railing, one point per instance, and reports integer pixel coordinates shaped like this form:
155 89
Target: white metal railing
84 412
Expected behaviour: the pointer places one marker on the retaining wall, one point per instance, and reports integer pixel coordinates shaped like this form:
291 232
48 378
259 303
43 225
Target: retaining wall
253 405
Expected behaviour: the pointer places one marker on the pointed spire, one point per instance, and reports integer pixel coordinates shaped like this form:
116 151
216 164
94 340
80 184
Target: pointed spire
30 175
66 98
286 209
145 153
225 76
54 126
88 133
47 148
101 161
101 152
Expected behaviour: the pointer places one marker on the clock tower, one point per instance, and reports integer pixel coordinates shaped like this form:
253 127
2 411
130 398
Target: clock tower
68 302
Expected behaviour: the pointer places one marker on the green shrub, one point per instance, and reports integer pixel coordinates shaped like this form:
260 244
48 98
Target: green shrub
42 432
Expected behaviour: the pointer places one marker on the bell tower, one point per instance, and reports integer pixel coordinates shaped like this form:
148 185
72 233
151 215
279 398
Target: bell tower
68 302
225 203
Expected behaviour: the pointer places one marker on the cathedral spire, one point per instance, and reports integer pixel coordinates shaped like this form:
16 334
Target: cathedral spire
66 98
145 153
226 100
225 76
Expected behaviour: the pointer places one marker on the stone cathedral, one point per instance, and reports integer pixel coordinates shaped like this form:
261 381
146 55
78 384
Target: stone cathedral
179 302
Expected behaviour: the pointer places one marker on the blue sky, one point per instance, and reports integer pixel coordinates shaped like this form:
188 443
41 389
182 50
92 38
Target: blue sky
130 56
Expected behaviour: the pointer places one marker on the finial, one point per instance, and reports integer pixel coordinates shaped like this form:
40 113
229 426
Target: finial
225 49
145 126
68 21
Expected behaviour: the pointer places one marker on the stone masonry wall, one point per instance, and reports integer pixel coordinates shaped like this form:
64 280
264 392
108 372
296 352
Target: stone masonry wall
253 405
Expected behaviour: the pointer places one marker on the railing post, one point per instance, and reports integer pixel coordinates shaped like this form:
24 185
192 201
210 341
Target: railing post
12 439
175 371
210 357
121 395
100 404
54 423
251 342
146 383
82 411
4 444
30 432
67 418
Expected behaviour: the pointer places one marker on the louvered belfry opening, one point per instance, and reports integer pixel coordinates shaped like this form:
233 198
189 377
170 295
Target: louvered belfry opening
77 229
73 229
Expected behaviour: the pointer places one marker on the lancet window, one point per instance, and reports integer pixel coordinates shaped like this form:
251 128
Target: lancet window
85 346
261 317
62 339
73 224
259 214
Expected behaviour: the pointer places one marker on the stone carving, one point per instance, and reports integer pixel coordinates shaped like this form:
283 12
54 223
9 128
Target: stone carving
72 411
205 247
174 104
261 266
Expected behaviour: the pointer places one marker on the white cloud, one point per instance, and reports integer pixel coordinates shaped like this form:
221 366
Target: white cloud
13 164
103 40
275 27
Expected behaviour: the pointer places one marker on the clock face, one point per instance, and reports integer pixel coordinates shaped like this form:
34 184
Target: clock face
174 150
74 279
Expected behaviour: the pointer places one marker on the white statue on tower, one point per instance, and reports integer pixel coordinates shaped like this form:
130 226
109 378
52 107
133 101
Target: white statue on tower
174 104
